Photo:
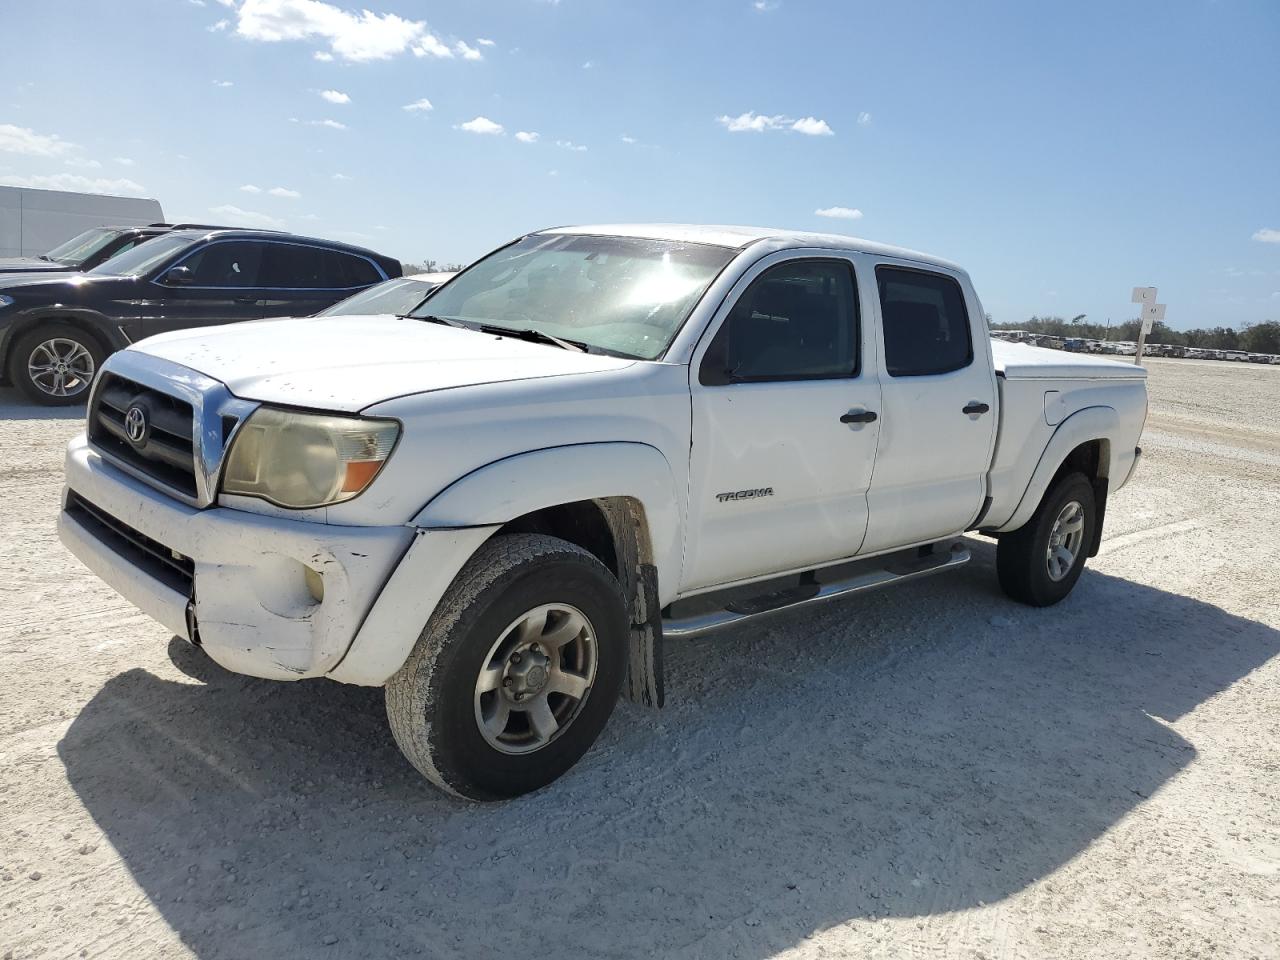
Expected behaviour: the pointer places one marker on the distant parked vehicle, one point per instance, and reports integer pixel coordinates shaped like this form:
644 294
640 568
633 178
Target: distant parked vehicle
392 298
1276 359
1236 356
36 221
55 331
91 248
1259 358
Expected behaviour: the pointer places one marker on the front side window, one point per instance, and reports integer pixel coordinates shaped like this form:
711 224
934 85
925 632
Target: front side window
145 256
926 325
621 295
797 321
226 264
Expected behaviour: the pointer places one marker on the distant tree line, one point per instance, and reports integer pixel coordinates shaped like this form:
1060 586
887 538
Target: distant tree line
431 266
1261 337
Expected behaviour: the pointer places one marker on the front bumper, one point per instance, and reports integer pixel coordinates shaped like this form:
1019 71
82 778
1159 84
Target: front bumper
254 609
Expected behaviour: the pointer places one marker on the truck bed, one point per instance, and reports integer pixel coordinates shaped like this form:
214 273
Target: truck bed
1020 361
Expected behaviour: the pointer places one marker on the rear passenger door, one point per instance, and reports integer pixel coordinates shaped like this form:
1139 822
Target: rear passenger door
297 280
938 387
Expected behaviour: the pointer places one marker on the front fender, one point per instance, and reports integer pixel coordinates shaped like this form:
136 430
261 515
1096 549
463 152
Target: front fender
1083 426
521 484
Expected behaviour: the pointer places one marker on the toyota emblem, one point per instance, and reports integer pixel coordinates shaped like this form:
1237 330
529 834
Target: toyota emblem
135 424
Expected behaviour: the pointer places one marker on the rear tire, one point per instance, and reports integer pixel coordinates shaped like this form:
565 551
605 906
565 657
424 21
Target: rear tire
1039 563
517 671
55 364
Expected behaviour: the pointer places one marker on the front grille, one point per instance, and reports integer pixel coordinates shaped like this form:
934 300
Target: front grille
153 557
167 453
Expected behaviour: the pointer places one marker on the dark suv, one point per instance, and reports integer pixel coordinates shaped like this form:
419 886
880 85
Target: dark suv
86 250
55 331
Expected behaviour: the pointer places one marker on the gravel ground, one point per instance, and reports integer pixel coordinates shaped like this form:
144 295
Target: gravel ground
930 771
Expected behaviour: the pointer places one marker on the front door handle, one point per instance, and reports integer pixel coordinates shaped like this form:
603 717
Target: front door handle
976 407
859 416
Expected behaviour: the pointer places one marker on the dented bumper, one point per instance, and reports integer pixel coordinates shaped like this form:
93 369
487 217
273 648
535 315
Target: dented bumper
268 597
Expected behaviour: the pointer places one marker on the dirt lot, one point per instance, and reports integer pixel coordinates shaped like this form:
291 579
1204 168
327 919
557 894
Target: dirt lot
927 772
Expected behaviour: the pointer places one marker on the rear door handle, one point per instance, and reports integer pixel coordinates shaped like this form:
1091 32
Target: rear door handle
976 408
859 416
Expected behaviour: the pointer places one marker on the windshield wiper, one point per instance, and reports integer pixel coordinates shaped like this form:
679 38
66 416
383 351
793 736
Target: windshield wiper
534 335
45 256
432 318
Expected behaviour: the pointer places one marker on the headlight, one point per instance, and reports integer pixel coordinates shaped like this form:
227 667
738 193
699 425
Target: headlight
5 301
300 460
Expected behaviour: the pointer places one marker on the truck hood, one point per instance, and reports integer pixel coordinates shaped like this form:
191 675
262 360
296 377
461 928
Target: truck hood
30 265
349 363
1020 361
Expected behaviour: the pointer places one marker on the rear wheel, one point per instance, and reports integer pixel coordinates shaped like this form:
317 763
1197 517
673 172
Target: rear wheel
517 671
1039 563
55 363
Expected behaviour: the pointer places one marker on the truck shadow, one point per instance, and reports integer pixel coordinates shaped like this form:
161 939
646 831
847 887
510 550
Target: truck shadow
909 753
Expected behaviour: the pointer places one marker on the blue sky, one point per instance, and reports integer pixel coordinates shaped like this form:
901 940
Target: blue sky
1064 153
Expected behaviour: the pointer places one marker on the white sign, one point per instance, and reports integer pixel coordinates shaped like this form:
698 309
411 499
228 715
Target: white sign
1144 295
1152 311
1146 325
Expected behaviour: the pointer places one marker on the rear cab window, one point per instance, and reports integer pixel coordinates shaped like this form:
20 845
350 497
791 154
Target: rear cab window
926 323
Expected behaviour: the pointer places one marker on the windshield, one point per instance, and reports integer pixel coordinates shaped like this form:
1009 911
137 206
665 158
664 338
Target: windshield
616 294
79 249
144 256
397 297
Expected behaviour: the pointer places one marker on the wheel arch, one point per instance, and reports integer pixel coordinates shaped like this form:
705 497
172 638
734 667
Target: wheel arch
92 324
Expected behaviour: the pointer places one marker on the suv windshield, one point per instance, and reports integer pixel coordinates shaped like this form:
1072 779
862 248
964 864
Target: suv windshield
138 260
79 249
615 294
397 296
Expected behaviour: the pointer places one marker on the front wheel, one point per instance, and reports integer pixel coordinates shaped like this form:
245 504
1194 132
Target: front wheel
55 363
517 671
1040 562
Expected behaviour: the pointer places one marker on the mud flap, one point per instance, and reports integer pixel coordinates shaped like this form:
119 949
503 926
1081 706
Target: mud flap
639 581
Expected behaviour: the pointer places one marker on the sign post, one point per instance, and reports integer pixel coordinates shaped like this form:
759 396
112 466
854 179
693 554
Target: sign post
1151 312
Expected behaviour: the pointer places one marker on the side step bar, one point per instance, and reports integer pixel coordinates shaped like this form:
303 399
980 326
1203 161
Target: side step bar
805 595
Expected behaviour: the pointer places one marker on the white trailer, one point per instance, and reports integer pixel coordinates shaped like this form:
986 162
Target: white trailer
33 221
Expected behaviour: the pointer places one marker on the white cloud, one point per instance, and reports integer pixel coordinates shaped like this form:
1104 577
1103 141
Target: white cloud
75 182
284 192
432 46
812 127
251 188
864 119
82 163
219 26
839 213
627 139
324 56
1267 235
14 139
340 177
125 161
331 124
764 6
248 218
196 3
588 65
352 36
223 83
335 96
527 136
570 145
752 122
481 125
466 51
485 42
423 105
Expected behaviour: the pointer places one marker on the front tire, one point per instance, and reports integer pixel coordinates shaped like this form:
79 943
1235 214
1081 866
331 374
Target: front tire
55 364
1040 562
517 671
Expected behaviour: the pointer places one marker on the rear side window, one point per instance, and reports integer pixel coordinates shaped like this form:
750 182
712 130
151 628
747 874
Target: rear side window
797 321
926 326
225 264
288 266
350 271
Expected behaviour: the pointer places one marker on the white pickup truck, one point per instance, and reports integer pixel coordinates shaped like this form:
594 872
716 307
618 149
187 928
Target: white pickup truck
592 439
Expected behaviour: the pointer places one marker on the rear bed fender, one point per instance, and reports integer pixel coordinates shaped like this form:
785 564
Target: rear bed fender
1083 426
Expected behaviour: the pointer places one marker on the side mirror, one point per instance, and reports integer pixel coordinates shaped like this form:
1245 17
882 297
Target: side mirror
179 275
